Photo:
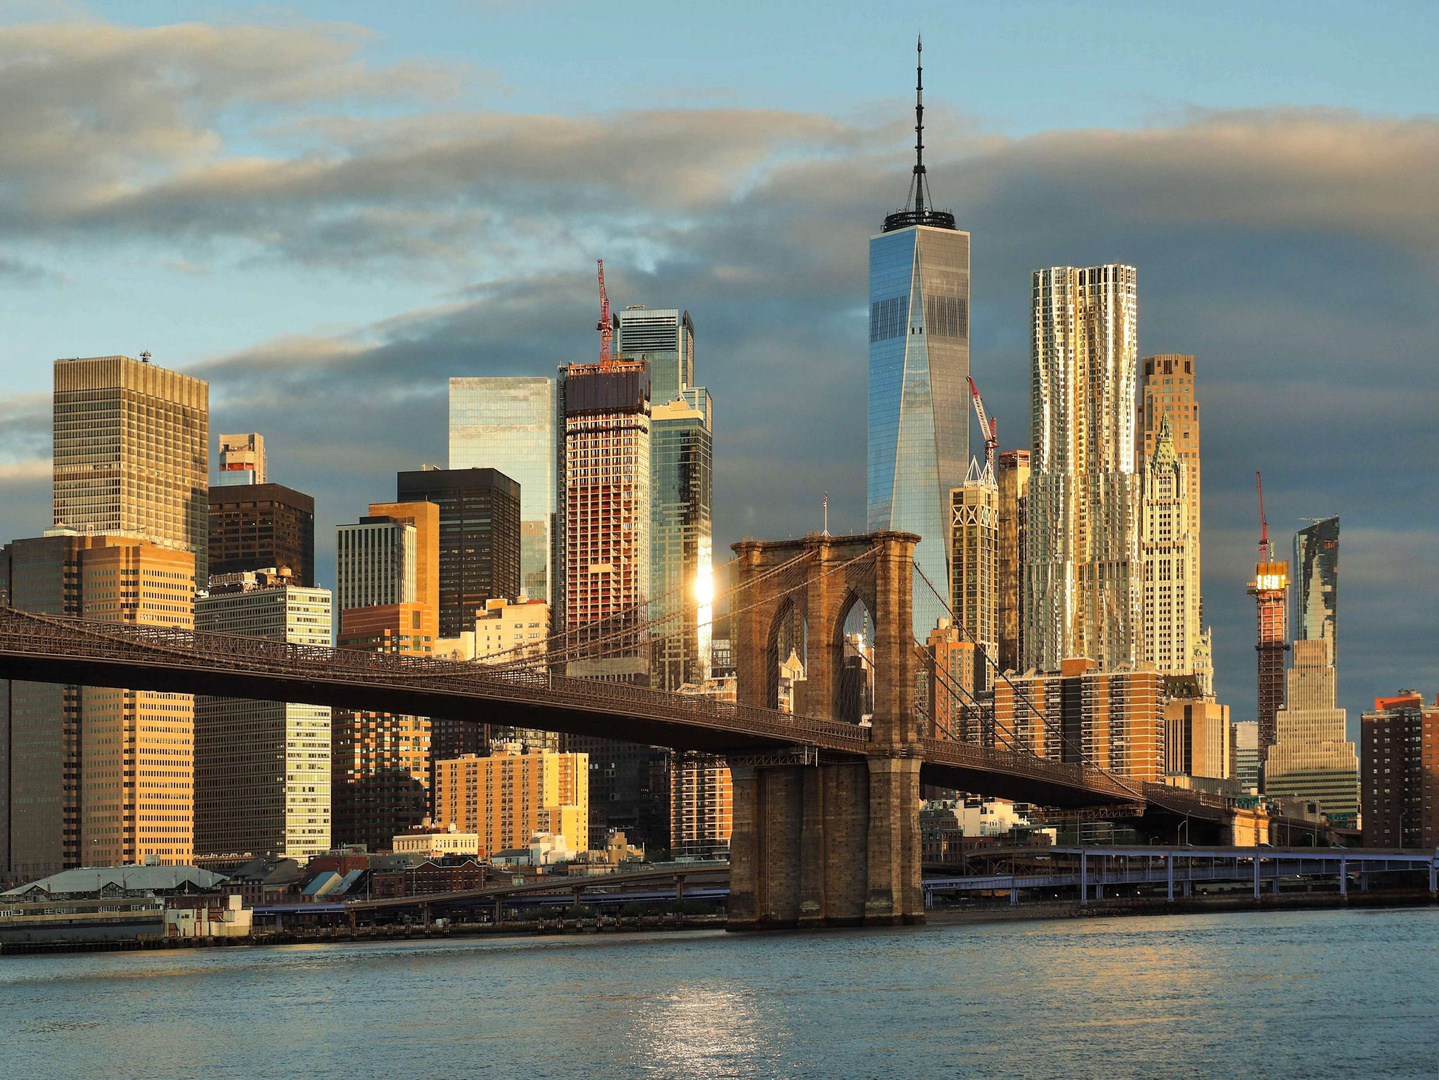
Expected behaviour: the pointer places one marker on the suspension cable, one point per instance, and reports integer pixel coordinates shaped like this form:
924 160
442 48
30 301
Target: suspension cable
525 655
1019 694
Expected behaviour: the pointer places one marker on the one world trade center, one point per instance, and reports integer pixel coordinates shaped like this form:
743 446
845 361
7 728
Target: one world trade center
918 378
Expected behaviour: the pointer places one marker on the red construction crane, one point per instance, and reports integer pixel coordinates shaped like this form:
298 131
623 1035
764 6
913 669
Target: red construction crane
1265 551
605 327
990 426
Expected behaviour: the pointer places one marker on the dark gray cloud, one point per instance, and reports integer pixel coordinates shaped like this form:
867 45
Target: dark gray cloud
1293 252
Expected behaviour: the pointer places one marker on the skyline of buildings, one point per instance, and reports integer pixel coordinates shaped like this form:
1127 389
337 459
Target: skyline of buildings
1079 562
408 625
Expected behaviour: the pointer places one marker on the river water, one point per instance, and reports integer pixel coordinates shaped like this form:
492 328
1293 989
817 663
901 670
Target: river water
1283 994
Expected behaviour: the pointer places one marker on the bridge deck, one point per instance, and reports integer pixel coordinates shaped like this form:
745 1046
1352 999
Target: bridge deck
42 648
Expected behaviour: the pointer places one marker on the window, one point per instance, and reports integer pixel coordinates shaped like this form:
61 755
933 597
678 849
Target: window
884 319
946 316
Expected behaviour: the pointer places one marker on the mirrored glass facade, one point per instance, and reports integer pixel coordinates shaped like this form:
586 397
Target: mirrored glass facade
1316 583
666 338
509 424
681 537
918 394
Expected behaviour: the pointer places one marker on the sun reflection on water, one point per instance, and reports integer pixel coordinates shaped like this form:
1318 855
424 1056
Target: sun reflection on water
706 1031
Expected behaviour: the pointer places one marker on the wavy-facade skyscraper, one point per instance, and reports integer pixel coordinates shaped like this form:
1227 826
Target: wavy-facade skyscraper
1083 574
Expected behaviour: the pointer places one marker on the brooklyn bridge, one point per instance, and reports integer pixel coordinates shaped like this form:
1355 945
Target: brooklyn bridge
825 809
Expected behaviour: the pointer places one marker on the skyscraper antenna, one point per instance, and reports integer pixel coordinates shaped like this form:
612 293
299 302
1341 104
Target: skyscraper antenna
919 124
919 207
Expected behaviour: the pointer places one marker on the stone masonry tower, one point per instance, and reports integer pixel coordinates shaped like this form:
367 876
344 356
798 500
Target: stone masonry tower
822 841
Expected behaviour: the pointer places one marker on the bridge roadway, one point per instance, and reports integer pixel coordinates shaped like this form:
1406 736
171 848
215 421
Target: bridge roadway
42 648
597 888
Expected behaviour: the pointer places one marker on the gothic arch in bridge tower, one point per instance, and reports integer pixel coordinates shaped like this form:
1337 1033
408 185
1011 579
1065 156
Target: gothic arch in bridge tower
788 637
851 663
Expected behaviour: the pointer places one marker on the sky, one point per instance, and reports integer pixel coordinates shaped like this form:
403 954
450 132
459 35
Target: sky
327 209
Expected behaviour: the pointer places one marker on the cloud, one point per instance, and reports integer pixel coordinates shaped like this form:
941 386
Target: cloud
19 272
91 113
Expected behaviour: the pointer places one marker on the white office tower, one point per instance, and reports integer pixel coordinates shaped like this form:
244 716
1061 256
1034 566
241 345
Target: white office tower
262 768
1170 607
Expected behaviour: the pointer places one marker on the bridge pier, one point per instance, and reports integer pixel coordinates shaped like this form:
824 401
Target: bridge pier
831 844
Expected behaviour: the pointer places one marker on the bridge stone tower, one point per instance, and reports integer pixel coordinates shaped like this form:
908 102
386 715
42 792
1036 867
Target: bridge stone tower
821 841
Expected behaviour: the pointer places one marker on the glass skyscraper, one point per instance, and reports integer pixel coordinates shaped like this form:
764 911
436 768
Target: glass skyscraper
1316 583
681 535
918 388
918 377
509 424
681 490
666 338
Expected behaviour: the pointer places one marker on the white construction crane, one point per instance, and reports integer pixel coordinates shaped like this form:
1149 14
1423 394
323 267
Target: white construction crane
989 426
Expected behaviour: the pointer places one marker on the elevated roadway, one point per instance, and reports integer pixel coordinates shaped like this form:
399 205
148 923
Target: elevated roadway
43 648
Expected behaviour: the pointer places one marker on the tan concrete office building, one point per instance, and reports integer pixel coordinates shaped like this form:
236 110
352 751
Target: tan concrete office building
132 453
1198 738
509 796
137 775
1311 758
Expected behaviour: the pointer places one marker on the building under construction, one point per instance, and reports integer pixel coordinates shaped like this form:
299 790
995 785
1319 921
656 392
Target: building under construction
1270 589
